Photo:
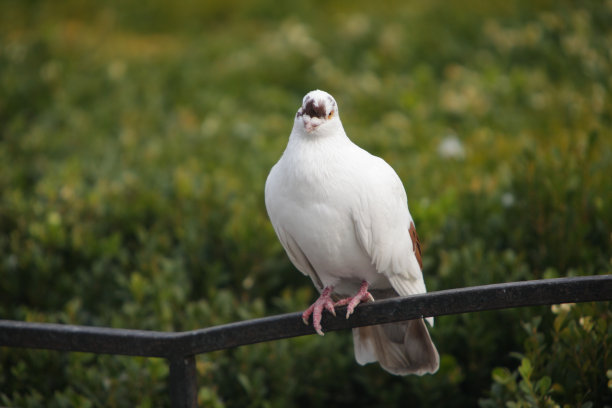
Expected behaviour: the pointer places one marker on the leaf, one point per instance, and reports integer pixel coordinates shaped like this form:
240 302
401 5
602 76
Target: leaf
525 388
543 385
526 368
502 375
245 382
559 321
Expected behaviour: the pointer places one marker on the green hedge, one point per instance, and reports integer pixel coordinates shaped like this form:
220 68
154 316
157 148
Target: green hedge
135 140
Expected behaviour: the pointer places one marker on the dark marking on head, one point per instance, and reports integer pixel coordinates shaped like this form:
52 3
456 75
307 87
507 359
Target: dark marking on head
314 111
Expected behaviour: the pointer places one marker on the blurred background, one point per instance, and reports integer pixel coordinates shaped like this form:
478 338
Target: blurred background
135 139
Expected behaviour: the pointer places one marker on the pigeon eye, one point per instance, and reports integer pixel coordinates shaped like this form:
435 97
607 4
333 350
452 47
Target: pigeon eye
330 114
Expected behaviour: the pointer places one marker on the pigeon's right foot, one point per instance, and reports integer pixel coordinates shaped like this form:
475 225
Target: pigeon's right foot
362 296
324 302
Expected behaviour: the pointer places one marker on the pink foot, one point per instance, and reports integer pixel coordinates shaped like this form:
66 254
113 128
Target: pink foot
316 309
362 296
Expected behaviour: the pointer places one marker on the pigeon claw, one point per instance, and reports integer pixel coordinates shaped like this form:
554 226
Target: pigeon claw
362 296
324 302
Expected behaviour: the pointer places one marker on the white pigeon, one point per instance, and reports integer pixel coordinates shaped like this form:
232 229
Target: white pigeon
342 216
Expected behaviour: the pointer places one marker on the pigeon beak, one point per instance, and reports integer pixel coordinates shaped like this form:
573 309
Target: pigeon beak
309 126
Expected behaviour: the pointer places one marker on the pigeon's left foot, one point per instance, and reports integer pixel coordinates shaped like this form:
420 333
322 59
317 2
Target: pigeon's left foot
316 309
362 296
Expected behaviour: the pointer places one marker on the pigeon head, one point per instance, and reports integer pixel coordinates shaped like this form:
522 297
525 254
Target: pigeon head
318 108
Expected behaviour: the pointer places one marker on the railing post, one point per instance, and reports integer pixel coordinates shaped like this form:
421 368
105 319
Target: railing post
183 382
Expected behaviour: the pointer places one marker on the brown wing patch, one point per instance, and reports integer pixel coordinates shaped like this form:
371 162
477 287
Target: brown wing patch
416 244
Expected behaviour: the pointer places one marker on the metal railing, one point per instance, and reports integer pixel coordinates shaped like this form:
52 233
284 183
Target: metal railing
180 348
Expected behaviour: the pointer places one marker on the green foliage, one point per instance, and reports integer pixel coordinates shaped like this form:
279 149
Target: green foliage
135 139
562 368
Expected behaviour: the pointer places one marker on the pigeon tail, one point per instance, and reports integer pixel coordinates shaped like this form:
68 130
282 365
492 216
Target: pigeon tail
400 348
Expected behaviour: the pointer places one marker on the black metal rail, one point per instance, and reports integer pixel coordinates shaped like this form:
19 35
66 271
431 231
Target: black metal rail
180 348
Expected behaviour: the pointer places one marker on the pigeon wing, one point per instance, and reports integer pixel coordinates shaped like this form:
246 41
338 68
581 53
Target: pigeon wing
275 207
385 229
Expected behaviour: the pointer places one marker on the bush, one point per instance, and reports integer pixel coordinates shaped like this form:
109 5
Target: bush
562 368
134 145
